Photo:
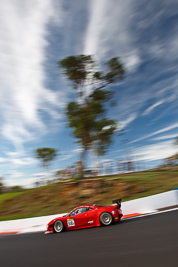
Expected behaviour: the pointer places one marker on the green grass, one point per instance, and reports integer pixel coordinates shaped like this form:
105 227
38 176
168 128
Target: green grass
62 197
5 196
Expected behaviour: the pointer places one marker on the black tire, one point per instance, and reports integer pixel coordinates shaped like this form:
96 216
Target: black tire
58 226
106 218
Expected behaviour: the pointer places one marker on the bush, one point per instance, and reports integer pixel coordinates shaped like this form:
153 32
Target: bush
17 188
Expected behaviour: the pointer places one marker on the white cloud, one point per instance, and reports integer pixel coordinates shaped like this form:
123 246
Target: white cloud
123 124
165 129
165 50
151 108
16 174
15 154
2 160
65 157
168 136
111 20
157 151
106 160
77 150
23 161
115 28
28 182
23 46
15 178
118 28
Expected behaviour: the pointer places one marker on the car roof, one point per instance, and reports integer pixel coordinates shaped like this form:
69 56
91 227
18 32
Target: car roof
83 206
91 206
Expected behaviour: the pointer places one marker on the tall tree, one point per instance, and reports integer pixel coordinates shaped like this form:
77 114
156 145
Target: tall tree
87 115
1 185
46 155
176 141
176 144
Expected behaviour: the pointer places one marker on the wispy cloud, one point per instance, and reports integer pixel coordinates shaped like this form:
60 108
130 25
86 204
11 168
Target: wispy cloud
165 129
2 160
17 178
18 159
125 123
23 46
65 155
152 107
164 137
37 33
161 150
114 35
23 162
104 27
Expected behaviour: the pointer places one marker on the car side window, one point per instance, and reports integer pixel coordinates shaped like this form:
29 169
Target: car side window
80 210
85 209
88 208
76 212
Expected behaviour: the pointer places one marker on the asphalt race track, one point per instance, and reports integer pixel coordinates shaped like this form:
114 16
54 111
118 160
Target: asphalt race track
147 241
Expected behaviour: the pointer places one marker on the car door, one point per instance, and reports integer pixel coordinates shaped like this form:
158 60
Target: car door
77 219
92 216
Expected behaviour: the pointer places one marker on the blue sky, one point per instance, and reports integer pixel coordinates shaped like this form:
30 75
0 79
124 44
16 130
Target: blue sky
36 34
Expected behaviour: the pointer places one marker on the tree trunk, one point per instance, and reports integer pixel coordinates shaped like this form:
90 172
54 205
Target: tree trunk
82 165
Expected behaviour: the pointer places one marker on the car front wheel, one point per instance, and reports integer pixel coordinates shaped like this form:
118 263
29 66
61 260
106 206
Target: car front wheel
105 218
58 226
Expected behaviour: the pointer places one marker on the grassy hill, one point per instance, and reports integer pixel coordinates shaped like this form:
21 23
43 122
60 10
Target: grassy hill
63 196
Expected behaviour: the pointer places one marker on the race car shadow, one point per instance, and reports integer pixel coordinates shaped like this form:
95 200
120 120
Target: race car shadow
115 224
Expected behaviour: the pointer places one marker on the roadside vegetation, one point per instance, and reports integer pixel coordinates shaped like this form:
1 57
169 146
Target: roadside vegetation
61 197
5 196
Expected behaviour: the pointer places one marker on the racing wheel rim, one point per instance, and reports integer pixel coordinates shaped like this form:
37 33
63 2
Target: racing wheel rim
58 226
106 218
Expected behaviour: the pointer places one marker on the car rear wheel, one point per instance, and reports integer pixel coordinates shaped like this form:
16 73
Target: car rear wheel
58 226
105 218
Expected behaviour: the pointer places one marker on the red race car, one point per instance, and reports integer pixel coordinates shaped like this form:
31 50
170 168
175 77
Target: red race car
87 216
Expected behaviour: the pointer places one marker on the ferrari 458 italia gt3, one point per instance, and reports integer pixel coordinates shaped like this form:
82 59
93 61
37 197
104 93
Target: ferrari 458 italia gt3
87 216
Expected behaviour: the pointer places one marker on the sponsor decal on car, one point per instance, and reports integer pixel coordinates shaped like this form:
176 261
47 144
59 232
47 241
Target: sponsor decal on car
70 222
91 222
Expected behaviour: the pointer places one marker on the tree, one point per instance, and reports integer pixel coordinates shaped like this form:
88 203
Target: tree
46 155
17 188
1 185
87 115
176 144
176 141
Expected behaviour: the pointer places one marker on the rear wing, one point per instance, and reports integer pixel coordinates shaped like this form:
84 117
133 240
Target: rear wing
117 201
